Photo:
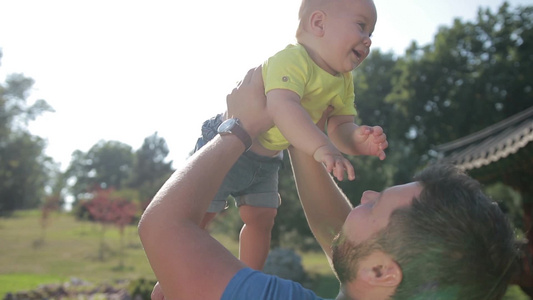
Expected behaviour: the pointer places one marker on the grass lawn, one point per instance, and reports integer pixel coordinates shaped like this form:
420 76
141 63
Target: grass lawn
69 248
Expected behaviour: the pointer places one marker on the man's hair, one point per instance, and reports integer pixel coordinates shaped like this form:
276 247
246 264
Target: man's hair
453 242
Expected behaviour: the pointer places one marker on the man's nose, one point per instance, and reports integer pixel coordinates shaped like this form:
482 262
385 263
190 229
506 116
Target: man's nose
368 196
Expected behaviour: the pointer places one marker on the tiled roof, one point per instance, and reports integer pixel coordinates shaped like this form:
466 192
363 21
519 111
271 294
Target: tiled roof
490 144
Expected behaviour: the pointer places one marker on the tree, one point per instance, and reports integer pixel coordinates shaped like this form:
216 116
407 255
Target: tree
23 166
107 164
149 168
113 164
50 204
473 75
125 211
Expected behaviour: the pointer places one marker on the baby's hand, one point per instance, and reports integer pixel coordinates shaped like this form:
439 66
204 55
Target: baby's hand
370 141
334 161
157 292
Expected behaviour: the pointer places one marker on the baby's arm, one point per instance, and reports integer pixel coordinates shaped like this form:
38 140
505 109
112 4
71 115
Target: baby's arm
297 127
352 139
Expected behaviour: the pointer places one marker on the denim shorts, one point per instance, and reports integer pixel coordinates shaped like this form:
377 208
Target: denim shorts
253 179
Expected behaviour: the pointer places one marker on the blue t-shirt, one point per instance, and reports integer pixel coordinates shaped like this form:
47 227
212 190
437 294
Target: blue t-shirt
251 284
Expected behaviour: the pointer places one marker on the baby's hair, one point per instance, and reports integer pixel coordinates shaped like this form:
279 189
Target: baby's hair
301 16
307 7
303 7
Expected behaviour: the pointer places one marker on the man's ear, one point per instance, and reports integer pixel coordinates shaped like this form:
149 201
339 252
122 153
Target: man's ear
379 269
317 23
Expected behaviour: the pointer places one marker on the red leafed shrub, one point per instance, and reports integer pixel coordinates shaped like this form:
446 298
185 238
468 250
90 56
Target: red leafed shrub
107 209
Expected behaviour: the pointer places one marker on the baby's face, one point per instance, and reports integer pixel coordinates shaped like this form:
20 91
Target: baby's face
346 41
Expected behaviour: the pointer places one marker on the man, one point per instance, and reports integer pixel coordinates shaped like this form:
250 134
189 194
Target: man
436 238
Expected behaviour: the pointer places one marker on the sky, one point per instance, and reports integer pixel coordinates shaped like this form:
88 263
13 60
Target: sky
122 70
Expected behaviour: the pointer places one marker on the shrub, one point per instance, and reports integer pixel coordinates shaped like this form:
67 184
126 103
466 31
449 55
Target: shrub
287 264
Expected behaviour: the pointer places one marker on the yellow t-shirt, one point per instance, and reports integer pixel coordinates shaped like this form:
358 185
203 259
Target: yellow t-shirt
293 69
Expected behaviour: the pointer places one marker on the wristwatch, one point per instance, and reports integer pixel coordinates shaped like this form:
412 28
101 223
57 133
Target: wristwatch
233 126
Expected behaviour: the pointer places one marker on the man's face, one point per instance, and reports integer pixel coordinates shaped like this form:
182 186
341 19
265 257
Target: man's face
357 239
373 214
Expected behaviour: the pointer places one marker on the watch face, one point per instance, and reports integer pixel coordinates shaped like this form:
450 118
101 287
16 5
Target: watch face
232 126
227 125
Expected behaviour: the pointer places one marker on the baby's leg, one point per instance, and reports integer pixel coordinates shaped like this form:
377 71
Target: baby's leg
256 234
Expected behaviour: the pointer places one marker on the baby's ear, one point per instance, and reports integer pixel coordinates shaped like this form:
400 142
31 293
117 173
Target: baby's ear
316 23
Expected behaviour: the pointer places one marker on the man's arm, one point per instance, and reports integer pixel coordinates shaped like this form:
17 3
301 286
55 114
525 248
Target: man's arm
324 204
186 260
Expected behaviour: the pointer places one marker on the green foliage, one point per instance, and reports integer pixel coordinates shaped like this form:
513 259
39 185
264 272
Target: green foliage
473 75
150 168
111 164
227 223
509 201
108 164
23 166
141 288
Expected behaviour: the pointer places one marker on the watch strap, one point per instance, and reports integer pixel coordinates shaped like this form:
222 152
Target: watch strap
237 130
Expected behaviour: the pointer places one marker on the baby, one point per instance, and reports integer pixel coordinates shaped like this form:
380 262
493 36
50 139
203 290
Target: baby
301 82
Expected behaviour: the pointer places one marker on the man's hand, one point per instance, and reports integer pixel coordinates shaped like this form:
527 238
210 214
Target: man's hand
334 161
370 140
247 102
